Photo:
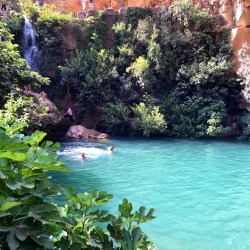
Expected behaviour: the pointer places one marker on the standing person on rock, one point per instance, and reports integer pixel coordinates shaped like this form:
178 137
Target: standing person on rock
70 115
91 4
83 4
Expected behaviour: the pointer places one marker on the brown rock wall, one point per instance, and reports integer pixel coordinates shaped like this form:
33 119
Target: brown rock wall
233 14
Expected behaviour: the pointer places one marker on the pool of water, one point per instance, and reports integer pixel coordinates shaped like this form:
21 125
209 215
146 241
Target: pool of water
200 189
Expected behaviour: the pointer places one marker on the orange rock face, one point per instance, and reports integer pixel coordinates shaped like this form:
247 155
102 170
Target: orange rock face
234 14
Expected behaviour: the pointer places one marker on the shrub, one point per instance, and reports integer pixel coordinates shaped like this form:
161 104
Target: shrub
30 215
149 121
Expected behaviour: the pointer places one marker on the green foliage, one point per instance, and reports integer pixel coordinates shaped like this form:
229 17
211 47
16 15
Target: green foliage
116 118
89 72
14 71
48 14
139 66
133 15
215 128
149 121
48 26
28 8
15 23
30 216
174 57
14 112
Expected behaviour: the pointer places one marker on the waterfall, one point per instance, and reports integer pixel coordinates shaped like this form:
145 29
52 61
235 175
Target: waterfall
31 52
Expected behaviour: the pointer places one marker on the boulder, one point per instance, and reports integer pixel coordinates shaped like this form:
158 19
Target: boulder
80 132
45 120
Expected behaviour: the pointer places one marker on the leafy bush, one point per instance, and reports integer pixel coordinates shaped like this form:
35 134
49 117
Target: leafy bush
133 15
89 73
149 121
15 23
215 128
174 57
28 8
48 26
116 118
30 215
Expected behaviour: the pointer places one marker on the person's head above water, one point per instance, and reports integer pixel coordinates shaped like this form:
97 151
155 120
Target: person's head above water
83 156
111 148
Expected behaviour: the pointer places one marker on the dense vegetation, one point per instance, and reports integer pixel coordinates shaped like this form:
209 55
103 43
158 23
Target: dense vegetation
30 216
166 73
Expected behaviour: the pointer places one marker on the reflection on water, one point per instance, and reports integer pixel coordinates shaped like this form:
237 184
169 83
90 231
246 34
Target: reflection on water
201 189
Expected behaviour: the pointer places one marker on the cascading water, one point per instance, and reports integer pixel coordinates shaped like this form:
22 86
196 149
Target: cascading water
31 52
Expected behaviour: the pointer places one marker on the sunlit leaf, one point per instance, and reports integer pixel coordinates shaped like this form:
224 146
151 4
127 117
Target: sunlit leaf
51 167
6 145
14 156
9 204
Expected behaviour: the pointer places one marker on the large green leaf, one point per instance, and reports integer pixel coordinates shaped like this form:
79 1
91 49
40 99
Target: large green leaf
46 189
35 138
17 126
14 156
43 240
9 204
4 214
41 210
13 243
136 236
51 167
4 136
7 145
128 239
5 229
50 146
125 208
21 233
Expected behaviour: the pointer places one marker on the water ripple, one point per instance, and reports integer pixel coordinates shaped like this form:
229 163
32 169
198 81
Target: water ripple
201 189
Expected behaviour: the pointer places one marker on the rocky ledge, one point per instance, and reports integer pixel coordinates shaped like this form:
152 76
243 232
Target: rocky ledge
80 132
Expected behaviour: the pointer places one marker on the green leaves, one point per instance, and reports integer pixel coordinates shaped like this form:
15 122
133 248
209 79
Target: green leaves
95 198
7 203
28 218
125 227
8 144
13 156
149 120
125 208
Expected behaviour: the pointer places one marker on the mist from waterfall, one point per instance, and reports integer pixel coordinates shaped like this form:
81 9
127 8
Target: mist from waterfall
31 52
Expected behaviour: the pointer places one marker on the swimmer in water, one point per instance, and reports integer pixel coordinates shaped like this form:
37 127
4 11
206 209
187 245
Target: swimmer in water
111 149
83 156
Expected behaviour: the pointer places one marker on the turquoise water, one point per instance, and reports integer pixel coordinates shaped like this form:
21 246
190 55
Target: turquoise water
200 189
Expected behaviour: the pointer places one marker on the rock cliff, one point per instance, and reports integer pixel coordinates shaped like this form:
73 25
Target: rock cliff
233 14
